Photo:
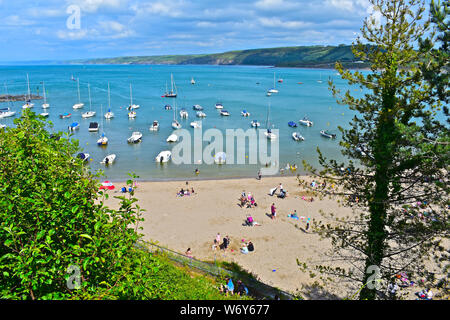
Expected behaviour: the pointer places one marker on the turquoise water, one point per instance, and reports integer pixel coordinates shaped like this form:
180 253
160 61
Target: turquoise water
235 86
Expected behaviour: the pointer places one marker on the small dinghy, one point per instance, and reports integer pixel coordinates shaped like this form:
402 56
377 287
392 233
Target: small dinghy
306 122
327 134
168 107
74 126
65 115
135 137
219 105
83 156
103 141
93 127
88 114
270 135
297 136
172 138
44 114
196 125
163 156
255 124
224 113
109 159
183 114
154 126
197 107
292 124
176 124
244 113
78 105
220 158
201 114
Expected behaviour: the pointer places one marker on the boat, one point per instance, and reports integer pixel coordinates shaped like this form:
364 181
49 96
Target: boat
268 94
28 104
172 138
132 114
65 115
176 124
297 136
132 106
183 113
306 122
195 125
273 90
3 126
103 141
78 105
83 156
109 114
320 81
280 80
109 159
93 127
154 126
327 134
220 158
168 107
201 114
219 105
43 114
6 112
197 107
268 133
171 93
292 124
74 126
224 113
163 156
192 81
45 105
245 113
73 78
90 113
255 123
135 137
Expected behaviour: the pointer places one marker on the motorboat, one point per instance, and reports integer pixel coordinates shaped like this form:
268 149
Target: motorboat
183 114
220 158
201 114
6 113
270 135
176 124
297 136
219 105
306 122
196 125
268 94
88 114
83 156
93 127
65 115
154 126
224 113
197 107
327 134
135 137
172 138
74 126
132 114
44 114
163 156
109 159
255 124
245 113
292 124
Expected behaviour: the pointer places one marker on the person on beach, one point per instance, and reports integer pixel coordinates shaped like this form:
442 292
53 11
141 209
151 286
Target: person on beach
244 249
189 252
259 174
272 210
192 191
197 171
250 246
272 191
307 223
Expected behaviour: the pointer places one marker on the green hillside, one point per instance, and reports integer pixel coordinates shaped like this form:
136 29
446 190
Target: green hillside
305 56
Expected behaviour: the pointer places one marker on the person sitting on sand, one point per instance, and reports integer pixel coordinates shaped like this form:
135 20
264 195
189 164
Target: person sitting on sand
253 202
244 249
250 246
249 221
181 192
243 201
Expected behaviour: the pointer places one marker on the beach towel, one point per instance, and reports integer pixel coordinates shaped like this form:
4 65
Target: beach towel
272 191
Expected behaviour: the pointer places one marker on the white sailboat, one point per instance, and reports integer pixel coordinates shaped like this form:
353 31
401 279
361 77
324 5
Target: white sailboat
109 114
320 81
103 141
171 93
28 104
175 123
192 81
45 105
273 90
6 112
78 105
90 113
132 106
269 134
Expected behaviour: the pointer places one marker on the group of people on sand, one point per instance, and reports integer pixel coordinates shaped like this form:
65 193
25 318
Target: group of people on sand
247 247
247 201
282 194
186 191
222 246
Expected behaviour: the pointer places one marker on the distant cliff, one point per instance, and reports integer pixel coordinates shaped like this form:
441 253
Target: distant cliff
301 57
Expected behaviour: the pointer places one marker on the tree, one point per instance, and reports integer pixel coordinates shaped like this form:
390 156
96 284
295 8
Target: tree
57 238
397 150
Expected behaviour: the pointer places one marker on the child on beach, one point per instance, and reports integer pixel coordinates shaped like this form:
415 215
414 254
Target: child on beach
272 210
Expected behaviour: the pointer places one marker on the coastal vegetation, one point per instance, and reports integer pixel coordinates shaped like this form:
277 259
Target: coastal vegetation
397 177
301 56
58 240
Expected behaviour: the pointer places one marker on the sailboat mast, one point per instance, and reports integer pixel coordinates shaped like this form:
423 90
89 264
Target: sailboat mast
171 82
28 83
89 92
45 97
7 95
109 98
131 95
78 86
268 112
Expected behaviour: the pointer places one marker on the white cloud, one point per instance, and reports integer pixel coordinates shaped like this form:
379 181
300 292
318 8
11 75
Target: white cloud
162 8
92 6
278 23
72 35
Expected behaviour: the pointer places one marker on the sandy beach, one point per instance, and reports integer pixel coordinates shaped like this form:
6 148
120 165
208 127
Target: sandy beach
194 221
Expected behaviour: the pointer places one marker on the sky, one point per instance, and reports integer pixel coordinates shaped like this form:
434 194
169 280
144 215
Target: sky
78 29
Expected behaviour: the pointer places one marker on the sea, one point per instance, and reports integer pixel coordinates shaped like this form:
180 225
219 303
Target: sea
302 92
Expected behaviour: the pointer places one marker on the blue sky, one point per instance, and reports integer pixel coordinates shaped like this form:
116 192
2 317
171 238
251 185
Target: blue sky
38 30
